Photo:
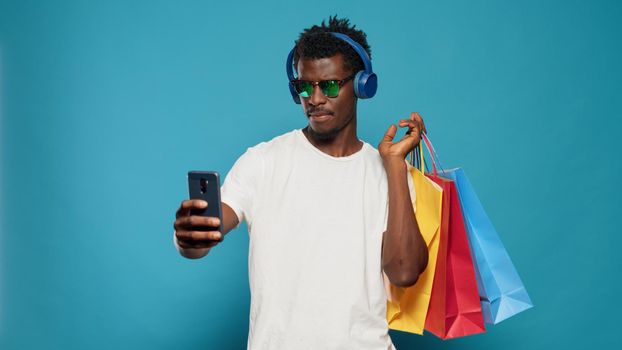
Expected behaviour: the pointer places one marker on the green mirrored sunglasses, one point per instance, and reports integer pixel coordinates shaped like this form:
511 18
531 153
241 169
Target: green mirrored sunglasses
330 88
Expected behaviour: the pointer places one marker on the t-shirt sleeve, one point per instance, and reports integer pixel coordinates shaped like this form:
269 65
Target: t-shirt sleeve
240 187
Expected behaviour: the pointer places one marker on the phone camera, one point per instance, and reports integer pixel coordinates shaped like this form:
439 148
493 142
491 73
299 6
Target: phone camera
203 184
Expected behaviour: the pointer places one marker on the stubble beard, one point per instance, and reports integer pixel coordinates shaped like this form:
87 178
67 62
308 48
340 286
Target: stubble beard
330 134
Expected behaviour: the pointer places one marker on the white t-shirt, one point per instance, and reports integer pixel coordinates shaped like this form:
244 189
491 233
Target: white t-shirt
315 224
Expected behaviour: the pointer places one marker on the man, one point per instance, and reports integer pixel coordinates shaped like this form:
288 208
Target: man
327 213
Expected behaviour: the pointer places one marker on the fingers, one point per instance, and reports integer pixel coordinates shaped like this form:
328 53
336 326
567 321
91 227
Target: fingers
198 237
189 243
197 231
413 136
195 222
196 245
189 204
390 134
194 231
417 117
414 122
410 124
414 129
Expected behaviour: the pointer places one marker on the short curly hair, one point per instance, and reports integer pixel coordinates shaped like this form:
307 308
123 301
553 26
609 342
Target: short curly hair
317 42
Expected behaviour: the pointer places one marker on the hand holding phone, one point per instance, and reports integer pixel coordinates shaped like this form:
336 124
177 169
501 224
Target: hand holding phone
198 221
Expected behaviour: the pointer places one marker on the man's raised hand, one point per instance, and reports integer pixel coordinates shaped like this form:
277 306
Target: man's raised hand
398 150
194 231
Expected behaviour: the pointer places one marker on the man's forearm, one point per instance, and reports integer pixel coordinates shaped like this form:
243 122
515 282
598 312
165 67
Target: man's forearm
404 251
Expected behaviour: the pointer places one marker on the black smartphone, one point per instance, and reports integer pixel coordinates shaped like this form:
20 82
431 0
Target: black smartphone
205 185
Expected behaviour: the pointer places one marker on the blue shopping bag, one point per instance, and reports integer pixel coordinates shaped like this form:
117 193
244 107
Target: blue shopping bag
501 290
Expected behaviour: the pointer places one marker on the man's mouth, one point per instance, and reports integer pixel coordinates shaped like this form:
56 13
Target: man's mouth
320 116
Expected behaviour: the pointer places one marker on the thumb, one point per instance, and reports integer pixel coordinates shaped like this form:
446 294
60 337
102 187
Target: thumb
390 134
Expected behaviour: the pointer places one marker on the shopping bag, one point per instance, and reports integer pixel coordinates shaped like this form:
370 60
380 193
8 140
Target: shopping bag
407 307
435 318
455 309
501 290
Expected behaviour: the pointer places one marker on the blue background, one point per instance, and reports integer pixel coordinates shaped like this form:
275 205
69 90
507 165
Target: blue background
105 106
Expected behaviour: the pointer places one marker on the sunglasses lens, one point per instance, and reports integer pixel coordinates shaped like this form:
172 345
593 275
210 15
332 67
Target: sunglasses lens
303 88
330 88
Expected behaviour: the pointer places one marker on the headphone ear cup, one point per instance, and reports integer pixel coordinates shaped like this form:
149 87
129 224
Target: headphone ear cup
295 95
365 84
355 83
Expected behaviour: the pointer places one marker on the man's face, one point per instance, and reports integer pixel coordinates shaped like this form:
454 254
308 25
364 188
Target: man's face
327 115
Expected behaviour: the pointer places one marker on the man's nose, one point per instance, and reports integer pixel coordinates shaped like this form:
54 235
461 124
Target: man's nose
317 97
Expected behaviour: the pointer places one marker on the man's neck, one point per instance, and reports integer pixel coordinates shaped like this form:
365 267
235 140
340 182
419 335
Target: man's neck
344 144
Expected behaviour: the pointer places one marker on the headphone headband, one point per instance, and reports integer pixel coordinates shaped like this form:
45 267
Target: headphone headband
358 48
365 81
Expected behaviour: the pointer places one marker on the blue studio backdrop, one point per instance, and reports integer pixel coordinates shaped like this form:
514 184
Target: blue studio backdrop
105 105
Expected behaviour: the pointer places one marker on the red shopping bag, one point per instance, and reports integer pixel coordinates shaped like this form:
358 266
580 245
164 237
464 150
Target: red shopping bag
435 318
455 309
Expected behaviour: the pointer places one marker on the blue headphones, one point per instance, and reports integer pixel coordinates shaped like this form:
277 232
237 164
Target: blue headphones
365 81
